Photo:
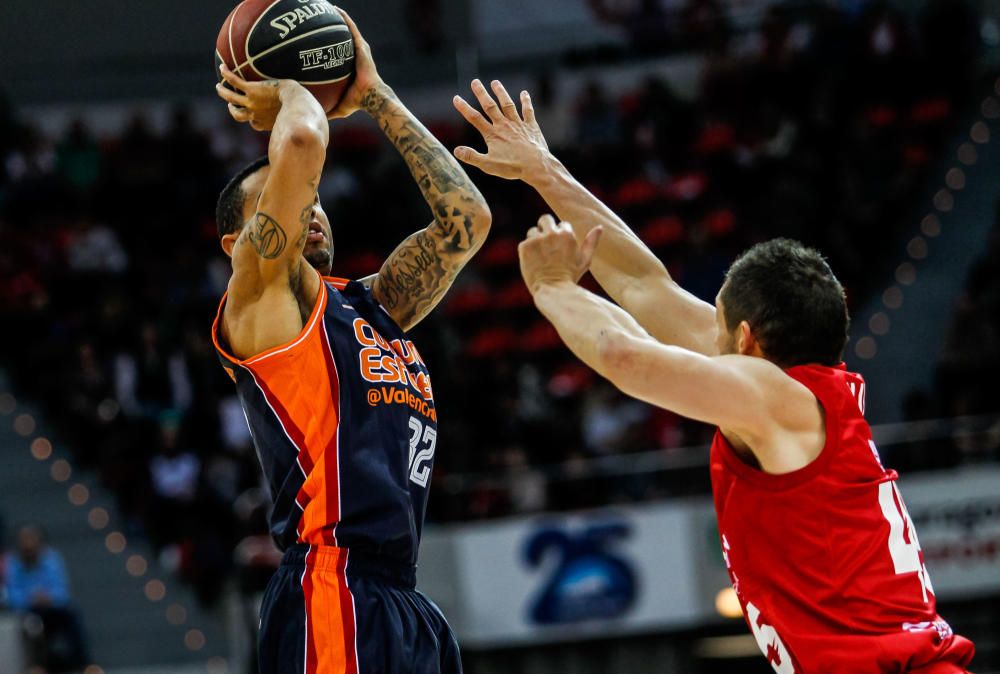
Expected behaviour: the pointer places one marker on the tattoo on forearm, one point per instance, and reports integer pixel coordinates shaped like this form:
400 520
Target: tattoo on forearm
442 181
419 272
266 236
411 279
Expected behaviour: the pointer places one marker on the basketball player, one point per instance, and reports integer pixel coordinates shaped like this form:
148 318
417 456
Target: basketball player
819 546
338 400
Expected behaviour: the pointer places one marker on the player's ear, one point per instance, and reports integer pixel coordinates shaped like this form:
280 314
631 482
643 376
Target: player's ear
228 242
746 343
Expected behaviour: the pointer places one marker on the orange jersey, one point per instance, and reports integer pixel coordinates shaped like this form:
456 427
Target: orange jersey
345 427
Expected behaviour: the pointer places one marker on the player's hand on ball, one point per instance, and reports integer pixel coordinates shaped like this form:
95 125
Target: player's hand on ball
515 146
366 75
550 254
256 103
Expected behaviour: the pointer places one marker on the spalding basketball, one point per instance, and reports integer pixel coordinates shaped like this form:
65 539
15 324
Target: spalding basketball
302 40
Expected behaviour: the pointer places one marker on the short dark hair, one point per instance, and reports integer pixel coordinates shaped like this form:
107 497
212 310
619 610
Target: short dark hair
229 208
792 301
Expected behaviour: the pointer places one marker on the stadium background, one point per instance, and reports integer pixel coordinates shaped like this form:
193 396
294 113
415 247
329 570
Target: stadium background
570 529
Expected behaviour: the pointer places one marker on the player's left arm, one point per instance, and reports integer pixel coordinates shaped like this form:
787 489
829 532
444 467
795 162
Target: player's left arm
419 272
749 396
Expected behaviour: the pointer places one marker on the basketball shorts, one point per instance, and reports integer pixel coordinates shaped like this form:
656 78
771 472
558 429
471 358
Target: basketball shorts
328 610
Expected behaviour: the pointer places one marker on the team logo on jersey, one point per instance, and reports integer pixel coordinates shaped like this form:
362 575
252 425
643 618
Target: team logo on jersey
389 364
589 581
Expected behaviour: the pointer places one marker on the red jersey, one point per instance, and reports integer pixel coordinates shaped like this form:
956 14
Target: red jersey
825 559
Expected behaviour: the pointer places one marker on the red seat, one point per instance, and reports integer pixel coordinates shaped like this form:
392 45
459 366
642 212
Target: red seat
662 231
881 116
930 111
540 337
720 222
686 186
570 379
636 192
499 253
357 265
715 137
492 342
514 296
916 155
468 300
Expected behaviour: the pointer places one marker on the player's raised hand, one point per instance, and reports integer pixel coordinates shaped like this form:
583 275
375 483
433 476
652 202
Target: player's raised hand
366 75
551 254
515 146
256 103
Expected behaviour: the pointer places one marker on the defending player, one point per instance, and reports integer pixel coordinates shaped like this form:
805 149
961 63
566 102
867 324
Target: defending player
338 400
819 546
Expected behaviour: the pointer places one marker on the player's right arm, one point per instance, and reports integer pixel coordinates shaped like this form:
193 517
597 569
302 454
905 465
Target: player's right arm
751 399
624 266
269 274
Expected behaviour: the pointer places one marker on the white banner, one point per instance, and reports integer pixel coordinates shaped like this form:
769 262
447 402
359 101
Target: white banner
658 567
570 576
957 517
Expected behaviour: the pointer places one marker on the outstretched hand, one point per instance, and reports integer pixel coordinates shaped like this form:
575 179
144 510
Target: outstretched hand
550 254
515 146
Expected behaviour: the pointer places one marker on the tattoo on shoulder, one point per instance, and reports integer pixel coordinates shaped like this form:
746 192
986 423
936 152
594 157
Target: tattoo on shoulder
266 236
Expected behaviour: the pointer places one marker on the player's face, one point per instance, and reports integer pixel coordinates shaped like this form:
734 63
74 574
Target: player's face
318 250
724 340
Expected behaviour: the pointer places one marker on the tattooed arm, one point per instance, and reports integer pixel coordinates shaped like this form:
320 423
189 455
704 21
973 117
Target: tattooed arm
419 272
269 249
272 287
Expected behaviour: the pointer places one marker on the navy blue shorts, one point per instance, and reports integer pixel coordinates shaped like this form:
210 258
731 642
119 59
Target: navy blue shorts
330 611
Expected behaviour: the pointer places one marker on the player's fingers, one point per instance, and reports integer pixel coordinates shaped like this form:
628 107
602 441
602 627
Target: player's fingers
229 96
534 232
239 114
471 115
355 32
527 109
546 224
506 104
470 156
234 80
486 101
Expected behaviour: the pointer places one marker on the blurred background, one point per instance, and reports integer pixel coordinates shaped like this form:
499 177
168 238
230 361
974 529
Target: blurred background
570 528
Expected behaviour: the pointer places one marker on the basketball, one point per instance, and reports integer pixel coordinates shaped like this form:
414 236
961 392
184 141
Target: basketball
302 40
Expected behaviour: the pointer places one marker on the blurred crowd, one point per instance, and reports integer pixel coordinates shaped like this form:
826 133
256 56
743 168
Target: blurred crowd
820 125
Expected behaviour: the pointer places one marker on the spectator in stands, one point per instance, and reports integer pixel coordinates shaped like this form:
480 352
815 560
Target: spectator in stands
151 378
78 159
174 472
612 423
597 121
94 247
38 587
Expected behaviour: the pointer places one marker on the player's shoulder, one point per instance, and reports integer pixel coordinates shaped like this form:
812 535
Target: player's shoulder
829 380
337 282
